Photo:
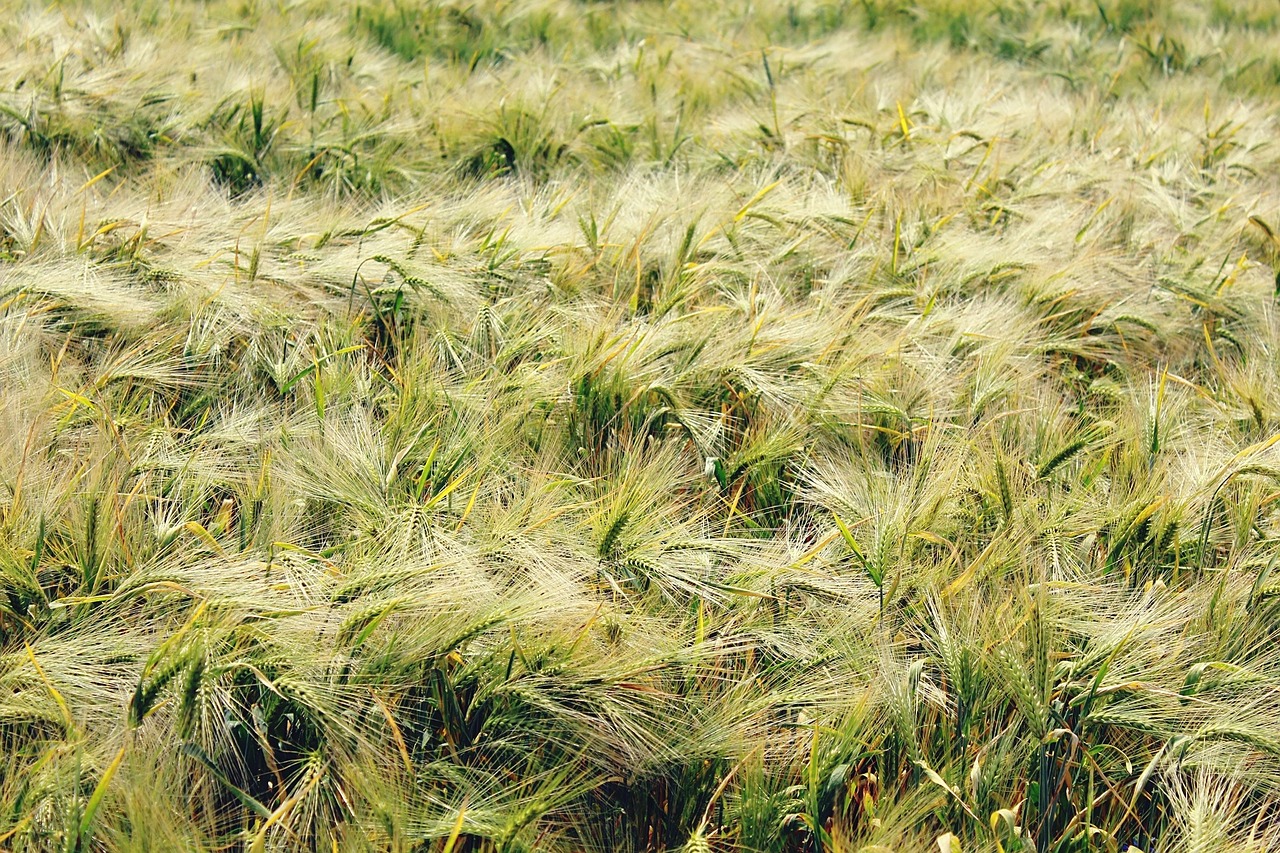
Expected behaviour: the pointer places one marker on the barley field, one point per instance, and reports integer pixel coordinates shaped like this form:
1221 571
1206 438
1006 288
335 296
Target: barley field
810 426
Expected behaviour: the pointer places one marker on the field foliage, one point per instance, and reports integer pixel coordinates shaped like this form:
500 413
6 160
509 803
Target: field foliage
633 426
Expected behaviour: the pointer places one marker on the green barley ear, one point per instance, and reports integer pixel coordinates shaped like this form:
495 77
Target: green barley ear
1069 450
357 627
1027 699
150 687
697 842
1006 499
191 698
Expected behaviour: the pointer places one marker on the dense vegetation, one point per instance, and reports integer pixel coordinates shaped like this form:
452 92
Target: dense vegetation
592 426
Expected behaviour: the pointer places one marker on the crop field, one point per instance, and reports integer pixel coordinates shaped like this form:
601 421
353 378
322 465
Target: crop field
796 426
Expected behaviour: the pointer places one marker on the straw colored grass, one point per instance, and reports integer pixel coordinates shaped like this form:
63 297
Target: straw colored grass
636 426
